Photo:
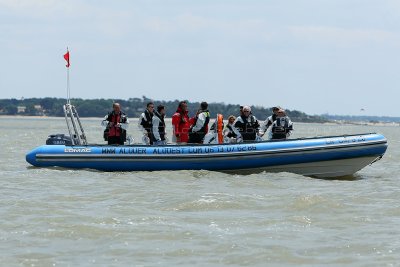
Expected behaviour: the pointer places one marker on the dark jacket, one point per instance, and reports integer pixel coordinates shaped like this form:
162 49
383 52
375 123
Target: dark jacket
248 127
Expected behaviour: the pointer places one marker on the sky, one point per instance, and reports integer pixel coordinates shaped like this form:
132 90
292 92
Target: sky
317 56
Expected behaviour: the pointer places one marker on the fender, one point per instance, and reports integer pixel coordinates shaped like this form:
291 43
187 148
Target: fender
220 127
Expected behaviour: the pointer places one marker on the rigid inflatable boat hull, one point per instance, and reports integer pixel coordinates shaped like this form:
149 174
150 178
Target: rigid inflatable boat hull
320 157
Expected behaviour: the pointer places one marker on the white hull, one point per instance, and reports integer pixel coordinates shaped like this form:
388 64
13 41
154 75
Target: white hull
321 169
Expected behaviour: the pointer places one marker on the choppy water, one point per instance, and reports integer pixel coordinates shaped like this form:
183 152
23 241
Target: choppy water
58 217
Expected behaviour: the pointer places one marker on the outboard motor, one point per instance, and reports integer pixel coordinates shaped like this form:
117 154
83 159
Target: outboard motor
59 139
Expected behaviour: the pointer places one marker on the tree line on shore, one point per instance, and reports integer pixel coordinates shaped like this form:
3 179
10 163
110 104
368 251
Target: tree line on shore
133 107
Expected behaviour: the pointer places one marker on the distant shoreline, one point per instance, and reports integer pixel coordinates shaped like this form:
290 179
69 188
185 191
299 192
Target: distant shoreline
88 108
359 123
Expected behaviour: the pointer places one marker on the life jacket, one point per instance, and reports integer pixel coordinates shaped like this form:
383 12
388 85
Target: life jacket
161 126
248 129
181 124
148 123
115 131
280 128
198 136
203 129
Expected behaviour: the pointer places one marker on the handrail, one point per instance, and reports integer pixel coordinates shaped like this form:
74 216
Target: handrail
72 117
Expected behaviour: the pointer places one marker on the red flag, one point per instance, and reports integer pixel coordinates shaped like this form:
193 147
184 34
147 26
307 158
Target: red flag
66 57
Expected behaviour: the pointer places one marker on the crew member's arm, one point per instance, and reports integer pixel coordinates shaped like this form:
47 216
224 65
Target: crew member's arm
236 126
270 121
257 125
142 119
264 127
290 127
105 122
124 125
175 124
156 133
226 130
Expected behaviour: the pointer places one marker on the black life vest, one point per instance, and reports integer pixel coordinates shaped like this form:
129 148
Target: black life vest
148 123
203 129
198 136
161 126
280 128
248 129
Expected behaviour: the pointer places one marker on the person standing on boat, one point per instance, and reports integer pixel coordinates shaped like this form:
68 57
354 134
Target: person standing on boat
116 123
246 126
269 121
200 124
146 123
181 123
282 126
159 126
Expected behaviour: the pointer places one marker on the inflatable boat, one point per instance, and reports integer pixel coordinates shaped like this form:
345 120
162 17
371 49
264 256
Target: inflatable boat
331 156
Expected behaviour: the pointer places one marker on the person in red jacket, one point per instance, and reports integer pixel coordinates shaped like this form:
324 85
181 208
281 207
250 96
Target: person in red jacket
116 123
181 123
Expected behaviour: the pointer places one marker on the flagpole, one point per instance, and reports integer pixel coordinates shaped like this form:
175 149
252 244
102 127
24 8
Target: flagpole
68 89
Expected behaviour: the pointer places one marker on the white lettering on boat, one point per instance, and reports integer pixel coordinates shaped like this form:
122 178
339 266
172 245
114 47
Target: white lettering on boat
77 150
176 150
132 151
167 150
345 140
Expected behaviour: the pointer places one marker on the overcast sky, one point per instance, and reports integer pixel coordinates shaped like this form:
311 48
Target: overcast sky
317 56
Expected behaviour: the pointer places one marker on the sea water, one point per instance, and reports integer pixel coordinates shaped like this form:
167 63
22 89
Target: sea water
61 217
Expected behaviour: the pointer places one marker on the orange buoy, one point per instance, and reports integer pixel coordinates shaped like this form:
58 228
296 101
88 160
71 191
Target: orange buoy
220 127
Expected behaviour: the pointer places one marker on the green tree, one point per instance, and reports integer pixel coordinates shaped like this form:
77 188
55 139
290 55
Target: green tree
11 109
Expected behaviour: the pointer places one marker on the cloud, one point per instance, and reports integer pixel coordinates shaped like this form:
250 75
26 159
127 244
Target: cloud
24 4
41 9
243 29
61 20
343 37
